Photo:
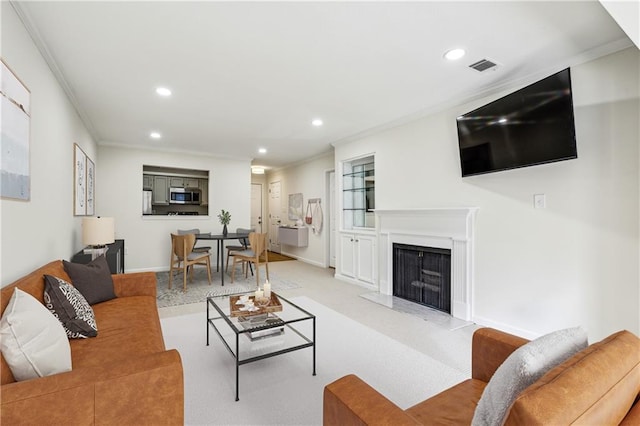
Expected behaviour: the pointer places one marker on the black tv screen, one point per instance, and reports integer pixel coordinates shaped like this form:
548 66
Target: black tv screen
531 126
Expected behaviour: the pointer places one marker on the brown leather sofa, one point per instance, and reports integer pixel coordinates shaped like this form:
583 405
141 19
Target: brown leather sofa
123 376
599 385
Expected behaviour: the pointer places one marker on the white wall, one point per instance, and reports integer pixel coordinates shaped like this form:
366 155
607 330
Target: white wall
308 178
43 229
575 262
147 239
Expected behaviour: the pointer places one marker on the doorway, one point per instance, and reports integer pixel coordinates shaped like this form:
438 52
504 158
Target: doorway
274 216
256 207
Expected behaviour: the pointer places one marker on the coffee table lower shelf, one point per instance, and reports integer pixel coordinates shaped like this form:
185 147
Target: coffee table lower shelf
254 345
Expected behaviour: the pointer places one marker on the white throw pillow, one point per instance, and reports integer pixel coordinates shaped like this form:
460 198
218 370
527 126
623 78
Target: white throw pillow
523 368
32 340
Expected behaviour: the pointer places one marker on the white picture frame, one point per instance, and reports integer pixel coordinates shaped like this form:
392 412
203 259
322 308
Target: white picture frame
91 187
79 181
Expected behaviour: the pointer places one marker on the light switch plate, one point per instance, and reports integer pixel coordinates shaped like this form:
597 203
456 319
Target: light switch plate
539 201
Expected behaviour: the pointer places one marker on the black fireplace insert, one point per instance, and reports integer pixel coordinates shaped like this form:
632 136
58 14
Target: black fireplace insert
422 275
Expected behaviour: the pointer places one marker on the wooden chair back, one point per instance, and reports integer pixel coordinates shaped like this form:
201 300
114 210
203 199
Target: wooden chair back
259 256
258 244
182 245
181 248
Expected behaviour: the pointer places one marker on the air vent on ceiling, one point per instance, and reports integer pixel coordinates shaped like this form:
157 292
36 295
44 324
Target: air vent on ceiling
483 65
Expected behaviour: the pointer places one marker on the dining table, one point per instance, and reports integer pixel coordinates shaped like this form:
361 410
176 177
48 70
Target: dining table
220 238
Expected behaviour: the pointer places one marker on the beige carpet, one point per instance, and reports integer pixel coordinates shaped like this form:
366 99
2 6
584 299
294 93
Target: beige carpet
281 390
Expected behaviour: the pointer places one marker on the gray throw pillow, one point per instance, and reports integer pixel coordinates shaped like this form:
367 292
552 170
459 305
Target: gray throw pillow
93 280
67 304
523 368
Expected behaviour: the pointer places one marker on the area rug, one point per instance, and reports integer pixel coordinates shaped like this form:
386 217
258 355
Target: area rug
200 289
281 390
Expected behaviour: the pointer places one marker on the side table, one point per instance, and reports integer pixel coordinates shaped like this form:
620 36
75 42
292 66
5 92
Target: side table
115 257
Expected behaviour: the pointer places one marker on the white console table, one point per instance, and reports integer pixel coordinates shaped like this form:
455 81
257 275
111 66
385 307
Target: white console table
294 236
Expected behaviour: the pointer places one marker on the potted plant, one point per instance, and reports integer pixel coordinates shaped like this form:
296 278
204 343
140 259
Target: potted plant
225 218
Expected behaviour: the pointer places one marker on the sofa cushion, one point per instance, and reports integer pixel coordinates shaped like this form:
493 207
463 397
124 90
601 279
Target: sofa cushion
33 342
129 327
522 368
93 280
67 304
596 386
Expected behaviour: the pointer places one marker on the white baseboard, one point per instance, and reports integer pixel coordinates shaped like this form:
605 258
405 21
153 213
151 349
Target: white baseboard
153 269
302 259
486 322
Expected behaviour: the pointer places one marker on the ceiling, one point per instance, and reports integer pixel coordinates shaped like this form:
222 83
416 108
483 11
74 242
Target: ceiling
250 75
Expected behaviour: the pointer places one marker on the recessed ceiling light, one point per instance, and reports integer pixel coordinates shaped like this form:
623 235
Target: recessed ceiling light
163 91
317 122
155 135
454 54
257 170
502 120
262 150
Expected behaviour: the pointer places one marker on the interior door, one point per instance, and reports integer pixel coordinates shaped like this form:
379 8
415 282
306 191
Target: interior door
274 216
256 207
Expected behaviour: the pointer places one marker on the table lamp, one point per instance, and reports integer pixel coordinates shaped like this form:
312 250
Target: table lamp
97 232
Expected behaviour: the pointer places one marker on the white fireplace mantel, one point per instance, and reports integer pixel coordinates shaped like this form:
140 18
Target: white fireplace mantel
451 228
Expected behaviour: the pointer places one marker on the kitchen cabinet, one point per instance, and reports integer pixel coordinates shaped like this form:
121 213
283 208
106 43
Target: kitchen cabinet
294 236
357 257
147 182
203 184
191 183
176 182
160 190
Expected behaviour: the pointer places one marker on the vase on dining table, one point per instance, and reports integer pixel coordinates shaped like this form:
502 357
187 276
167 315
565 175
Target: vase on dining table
224 230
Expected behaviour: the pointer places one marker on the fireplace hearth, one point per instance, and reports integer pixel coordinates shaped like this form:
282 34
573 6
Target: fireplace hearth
423 275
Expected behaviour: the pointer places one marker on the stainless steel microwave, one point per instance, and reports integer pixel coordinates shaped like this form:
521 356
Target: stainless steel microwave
185 196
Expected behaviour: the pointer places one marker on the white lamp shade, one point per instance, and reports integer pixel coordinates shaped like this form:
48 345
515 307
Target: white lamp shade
97 231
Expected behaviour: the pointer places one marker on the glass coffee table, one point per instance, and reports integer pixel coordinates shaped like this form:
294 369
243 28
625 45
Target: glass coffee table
267 329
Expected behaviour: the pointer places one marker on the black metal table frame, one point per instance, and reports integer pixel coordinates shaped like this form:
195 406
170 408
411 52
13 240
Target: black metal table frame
219 238
236 355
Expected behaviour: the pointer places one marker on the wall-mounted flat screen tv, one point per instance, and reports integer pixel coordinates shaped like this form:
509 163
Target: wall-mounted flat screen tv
532 126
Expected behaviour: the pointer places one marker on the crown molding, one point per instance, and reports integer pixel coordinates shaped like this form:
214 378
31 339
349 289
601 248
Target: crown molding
41 45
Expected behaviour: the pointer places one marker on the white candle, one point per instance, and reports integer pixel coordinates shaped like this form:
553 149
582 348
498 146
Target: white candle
267 290
259 294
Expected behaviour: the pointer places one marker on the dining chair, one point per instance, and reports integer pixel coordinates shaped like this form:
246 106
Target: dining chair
200 249
256 255
183 257
244 245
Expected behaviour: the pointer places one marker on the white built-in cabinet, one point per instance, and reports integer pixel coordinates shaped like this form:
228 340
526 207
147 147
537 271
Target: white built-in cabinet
357 257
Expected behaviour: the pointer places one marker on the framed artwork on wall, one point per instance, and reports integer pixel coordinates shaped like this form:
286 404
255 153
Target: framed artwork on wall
15 182
295 206
79 181
91 187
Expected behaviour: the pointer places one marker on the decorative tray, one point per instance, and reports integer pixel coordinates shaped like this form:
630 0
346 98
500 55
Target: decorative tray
237 309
